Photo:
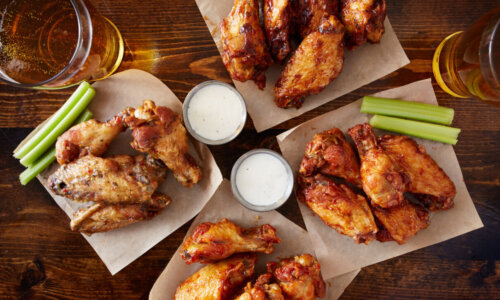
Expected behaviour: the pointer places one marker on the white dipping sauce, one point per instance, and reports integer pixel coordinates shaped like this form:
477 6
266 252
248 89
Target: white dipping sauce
215 112
262 179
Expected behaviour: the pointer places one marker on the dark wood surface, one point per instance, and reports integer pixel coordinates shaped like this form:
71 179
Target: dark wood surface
41 258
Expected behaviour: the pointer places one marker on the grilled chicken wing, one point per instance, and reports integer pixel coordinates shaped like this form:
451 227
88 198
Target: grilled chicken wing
339 207
211 241
427 181
401 222
90 137
245 53
158 131
363 20
316 62
309 14
218 281
329 153
105 217
299 277
277 23
114 180
383 181
262 290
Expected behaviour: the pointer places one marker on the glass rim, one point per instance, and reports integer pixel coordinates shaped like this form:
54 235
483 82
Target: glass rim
495 34
79 45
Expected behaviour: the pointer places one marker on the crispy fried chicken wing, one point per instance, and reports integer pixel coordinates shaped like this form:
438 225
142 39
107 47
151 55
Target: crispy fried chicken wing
114 180
316 62
339 207
105 217
309 14
218 281
299 277
383 181
211 241
363 20
158 131
262 290
277 23
427 181
245 53
329 153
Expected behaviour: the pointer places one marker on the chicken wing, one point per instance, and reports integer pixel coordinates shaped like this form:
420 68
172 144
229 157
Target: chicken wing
277 23
245 53
211 241
114 180
401 222
90 137
383 181
102 217
158 131
299 278
262 290
363 20
427 181
329 153
316 62
339 207
218 281
309 14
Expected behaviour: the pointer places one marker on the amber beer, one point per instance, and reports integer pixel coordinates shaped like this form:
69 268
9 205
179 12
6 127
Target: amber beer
467 64
56 43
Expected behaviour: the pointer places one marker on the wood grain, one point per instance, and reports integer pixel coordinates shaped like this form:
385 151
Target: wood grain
41 258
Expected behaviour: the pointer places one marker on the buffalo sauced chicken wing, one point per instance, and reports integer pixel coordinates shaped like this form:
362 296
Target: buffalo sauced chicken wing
363 20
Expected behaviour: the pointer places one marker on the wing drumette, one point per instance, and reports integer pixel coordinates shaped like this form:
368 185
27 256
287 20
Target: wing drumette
277 22
309 14
363 20
262 290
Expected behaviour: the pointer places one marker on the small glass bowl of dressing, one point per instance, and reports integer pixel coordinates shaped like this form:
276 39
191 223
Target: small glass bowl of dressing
214 112
262 180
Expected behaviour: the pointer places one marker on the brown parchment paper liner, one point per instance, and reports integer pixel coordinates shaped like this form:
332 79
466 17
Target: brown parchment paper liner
120 247
338 253
361 66
294 241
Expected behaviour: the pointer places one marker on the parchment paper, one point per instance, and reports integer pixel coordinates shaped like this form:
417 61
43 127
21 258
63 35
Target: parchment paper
361 66
294 241
120 247
338 253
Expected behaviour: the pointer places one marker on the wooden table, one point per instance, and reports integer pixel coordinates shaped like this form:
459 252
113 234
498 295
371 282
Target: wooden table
41 258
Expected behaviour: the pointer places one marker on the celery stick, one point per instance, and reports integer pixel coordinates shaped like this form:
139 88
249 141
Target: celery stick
406 109
423 130
51 138
54 120
49 157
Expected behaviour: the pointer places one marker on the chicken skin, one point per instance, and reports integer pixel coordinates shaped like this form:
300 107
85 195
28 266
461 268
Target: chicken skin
90 137
402 222
210 242
317 61
102 217
114 180
309 14
427 181
329 153
299 278
245 53
277 23
363 20
262 290
158 131
383 181
339 207
218 281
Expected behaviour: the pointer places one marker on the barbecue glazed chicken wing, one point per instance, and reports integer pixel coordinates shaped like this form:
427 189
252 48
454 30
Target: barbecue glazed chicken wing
245 53
211 241
262 290
105 217
363 20
339 207
114 180
218 281
277 23
309 14
329 153
383 181
299 278
158 131
316 62
427 181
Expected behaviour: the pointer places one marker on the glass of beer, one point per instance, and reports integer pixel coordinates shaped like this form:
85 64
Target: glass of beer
50 44
467 64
